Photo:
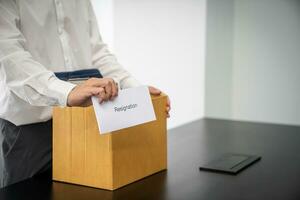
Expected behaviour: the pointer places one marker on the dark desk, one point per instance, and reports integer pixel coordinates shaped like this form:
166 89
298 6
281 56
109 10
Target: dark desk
276 176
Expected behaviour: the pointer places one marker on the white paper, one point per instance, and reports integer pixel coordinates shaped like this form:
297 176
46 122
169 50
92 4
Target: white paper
131 107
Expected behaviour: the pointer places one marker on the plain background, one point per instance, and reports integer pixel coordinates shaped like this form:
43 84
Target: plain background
253 60
162 43
229 59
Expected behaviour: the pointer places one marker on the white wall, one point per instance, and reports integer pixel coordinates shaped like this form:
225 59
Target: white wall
161 42
219 58
263 82
105 16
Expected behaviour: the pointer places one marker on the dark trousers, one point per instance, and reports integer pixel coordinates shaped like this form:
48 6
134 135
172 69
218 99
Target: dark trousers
24 151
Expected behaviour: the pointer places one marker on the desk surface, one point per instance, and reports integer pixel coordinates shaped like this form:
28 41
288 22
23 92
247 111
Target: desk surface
276 176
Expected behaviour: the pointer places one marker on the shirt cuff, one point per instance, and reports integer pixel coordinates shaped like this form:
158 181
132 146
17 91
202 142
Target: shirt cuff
63 88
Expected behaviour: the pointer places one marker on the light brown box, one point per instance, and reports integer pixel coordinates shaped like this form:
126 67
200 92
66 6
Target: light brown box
82 156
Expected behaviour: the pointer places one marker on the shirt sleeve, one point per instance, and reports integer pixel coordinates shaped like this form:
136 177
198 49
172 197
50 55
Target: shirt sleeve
26 78
103 59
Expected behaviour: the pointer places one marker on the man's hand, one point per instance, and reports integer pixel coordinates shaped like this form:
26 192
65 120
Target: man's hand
155 91
104 88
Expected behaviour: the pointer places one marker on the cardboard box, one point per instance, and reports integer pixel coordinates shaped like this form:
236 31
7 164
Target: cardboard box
109 161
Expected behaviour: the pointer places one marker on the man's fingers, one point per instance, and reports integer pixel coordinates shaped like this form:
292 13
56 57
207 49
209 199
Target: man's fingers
94 91
99 82
168 104
154 90
108 84
95 82
114 90
168 107
108 91
101 95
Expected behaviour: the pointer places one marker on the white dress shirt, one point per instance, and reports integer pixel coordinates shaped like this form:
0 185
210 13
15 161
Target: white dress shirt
39 37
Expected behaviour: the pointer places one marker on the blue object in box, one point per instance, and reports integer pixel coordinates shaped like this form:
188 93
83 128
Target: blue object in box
78 75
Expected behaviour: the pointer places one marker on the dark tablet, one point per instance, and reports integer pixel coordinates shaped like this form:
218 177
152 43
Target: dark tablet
231 163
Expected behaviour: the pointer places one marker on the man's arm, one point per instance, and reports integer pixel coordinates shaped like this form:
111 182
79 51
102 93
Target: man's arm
25 77
103 59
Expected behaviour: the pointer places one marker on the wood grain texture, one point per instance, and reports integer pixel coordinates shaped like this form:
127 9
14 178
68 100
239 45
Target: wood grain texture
82 156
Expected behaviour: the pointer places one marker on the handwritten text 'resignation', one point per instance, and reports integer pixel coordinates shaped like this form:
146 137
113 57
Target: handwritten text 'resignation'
124 108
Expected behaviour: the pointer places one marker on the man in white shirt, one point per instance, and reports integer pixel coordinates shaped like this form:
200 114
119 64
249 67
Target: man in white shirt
37 38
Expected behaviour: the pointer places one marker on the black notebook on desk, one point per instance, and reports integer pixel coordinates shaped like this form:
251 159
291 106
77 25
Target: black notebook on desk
231 163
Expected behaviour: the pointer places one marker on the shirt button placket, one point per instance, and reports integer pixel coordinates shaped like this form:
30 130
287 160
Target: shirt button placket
60 16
